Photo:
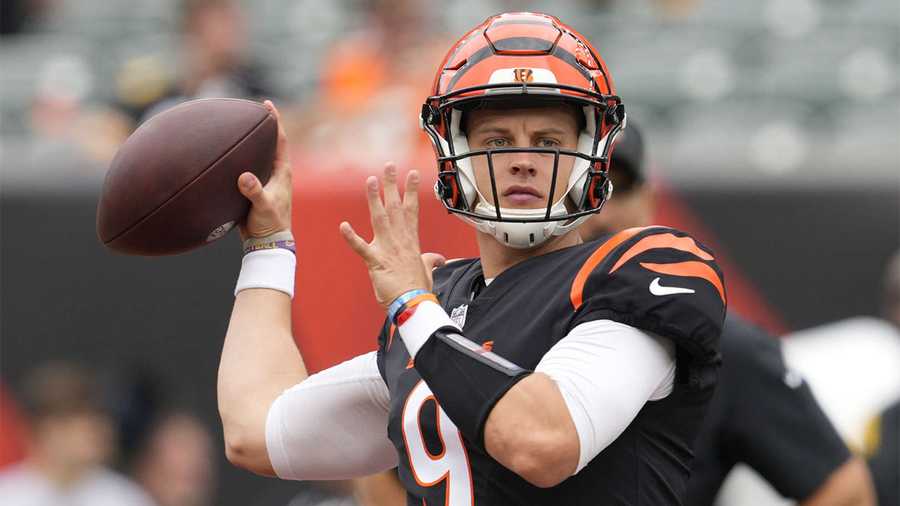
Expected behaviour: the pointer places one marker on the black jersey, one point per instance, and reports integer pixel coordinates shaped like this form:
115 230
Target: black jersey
656 279
764 415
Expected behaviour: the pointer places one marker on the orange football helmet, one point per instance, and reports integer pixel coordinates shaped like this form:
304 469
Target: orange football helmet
523 57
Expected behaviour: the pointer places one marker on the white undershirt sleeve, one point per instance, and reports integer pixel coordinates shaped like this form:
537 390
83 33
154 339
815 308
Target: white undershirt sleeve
332 425
606 372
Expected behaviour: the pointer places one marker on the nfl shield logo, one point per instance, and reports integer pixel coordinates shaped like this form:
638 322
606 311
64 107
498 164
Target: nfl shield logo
458 315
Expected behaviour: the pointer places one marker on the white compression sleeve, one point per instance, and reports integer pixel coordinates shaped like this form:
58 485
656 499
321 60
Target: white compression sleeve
606 372
332 425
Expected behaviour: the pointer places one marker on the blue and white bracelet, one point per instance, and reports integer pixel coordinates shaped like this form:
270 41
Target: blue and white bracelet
400 302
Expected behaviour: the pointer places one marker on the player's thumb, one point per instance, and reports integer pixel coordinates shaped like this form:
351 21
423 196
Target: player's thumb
433 260
249 186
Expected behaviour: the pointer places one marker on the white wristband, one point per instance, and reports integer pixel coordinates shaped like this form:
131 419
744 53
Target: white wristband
419 327
269 268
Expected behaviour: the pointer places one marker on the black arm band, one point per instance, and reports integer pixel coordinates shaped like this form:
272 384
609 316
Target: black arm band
466 379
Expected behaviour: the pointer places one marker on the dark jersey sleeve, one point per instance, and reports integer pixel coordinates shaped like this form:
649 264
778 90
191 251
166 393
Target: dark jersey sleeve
657 279
385 338
775 424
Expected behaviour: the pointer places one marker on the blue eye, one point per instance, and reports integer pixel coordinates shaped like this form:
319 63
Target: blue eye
548 143
497 143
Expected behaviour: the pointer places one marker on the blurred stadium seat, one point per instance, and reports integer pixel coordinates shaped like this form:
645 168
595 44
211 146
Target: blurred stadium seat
706 56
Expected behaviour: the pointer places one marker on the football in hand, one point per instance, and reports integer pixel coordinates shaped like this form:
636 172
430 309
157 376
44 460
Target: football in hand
172 186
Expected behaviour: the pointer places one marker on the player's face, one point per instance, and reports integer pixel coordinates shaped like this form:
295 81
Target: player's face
523 179
80 439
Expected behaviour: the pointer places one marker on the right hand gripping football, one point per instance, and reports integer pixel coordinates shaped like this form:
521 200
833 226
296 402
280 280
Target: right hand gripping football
270 209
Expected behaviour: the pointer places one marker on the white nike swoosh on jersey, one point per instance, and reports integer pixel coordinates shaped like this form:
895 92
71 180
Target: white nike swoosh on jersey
658 289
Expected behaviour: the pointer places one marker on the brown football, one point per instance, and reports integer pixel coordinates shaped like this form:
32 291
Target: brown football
172 186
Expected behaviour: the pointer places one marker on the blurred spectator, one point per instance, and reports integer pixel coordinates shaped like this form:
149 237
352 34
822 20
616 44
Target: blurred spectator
374 82
213 63
853 365
676 9
175 463
70 133
141 395
70 442
17 16
853 368
72 140
632 204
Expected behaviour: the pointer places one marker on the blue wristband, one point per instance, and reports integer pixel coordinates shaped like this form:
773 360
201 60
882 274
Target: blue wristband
401 301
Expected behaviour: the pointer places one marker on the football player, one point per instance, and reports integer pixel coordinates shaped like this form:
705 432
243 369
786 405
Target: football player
545 371
761 414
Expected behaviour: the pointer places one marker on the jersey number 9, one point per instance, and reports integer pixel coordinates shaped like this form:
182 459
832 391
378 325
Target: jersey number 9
451 465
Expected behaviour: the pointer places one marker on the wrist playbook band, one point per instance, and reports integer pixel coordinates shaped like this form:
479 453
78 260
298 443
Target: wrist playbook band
278 240
400 302
288 245
268 268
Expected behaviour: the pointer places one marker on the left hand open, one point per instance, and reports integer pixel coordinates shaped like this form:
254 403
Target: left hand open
394 259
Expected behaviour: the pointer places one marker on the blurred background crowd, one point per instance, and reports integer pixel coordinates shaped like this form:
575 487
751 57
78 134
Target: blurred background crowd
773 128
813 82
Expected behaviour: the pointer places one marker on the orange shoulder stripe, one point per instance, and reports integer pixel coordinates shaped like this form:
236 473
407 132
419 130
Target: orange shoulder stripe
692 269
685 244
390 337
576 295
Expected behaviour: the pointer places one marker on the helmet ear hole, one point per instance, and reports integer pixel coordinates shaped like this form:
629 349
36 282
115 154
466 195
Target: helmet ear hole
611 118
447 189
430 115
442 191
598 189
615 115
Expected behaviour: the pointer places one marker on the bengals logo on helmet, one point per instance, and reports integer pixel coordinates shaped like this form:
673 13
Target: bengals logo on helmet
523 75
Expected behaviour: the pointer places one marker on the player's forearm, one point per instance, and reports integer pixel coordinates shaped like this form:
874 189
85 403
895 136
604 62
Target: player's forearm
259 360
530 432
849 485
548 424
519 418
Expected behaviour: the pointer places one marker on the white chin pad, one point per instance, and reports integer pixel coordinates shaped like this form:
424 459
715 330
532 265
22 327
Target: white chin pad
519 235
